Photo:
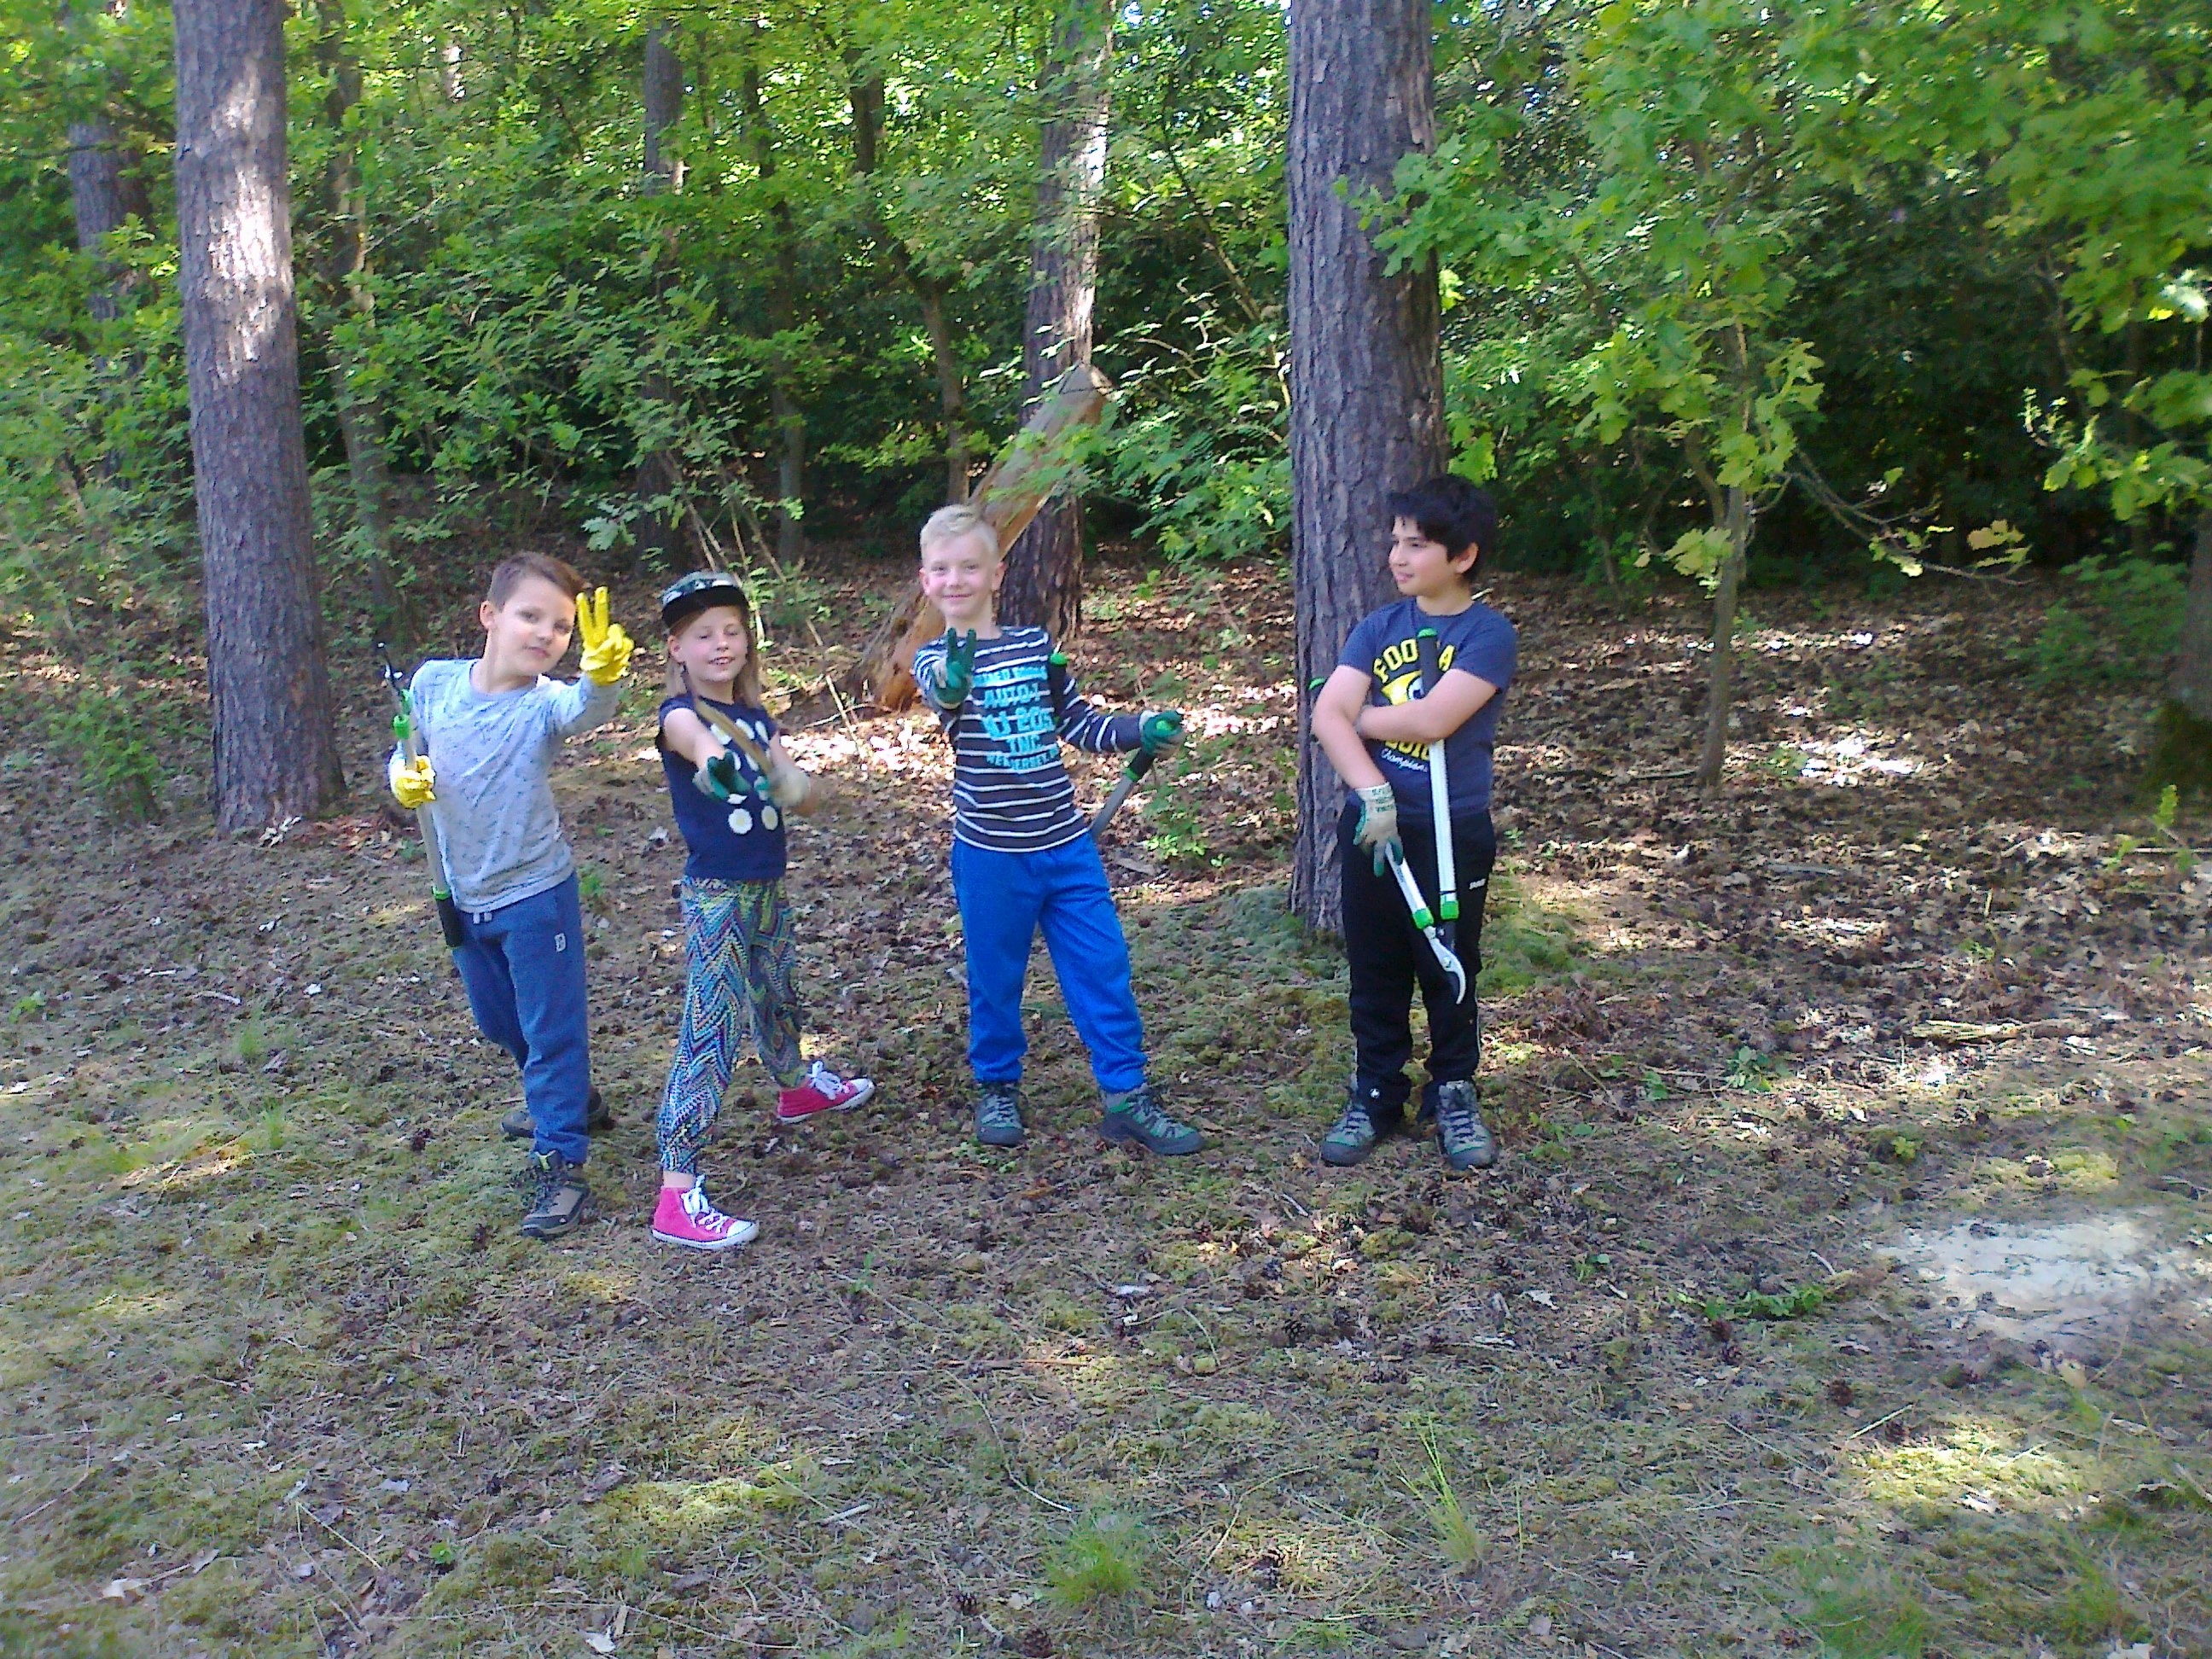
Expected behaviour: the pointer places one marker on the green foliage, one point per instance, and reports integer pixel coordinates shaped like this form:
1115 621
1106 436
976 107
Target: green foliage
1805 1300
112 749
1102 1559
2120 629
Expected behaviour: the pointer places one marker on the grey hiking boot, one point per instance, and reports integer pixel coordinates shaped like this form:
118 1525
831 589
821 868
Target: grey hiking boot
998 1114
1137 1121
1463 1136
1355 1134
563 1202
598 1119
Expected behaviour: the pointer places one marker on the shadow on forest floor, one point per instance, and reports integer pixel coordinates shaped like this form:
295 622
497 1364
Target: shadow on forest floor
1845 1285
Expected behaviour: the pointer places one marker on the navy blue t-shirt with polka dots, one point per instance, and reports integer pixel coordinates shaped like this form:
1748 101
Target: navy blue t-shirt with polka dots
740 840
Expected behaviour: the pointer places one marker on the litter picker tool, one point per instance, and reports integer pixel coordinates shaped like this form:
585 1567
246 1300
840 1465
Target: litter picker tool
426 818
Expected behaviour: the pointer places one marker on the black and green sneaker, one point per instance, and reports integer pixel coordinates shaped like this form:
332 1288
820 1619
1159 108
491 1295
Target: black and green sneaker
1464 1138
1355 1135
998 1114
563 1202
1136 1119
598 1119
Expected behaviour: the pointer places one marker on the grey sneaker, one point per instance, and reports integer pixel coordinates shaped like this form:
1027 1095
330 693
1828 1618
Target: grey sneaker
998 1114
1139 1122
563 1202
1465 1139
598 1119
1354 1134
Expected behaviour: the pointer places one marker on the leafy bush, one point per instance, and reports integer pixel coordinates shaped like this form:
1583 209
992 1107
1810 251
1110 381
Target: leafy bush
2120 629
112 749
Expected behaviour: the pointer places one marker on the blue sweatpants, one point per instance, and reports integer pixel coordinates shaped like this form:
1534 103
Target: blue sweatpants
1004 898
523 967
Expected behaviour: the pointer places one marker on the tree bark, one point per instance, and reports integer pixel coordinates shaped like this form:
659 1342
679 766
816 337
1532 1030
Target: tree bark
275 745
866 93
664 103
1721 685
345 275
659 473
2181 753
1043 587
784 414
105 191
1366 372
2192 665
1025 475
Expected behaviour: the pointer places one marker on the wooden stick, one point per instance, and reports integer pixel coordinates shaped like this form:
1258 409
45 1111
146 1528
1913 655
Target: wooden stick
1021 481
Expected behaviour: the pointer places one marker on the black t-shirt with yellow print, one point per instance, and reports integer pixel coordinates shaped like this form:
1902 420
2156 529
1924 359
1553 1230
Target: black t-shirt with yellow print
1478 641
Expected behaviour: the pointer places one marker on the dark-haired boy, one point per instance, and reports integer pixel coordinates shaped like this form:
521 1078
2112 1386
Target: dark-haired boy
1378 732
489 728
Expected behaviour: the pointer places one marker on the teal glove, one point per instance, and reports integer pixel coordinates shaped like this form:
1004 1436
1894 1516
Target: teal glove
719 779
1377 830
959 665
1161 729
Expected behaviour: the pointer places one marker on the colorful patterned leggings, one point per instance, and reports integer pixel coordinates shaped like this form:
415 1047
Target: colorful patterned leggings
739 939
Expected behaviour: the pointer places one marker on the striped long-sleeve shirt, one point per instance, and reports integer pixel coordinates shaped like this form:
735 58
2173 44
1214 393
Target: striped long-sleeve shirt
1010 793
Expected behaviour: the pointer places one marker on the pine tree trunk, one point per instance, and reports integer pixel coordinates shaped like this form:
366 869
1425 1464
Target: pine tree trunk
1720 688
2182 753
1366 373
345 275
784 412
105 191
866 95
1045 569
658 475
2192 667
275 746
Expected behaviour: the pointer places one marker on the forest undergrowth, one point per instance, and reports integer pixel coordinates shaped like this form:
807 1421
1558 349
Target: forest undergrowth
1845 1286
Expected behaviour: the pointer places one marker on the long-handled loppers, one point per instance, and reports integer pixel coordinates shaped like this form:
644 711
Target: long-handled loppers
426 818
1426 644
1426 921
1132 775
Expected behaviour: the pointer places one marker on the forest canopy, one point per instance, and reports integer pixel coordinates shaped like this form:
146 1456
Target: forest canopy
1921 277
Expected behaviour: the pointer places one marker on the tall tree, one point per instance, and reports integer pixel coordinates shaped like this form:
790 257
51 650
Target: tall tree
106 187
865 93
346 279
658 470
275 745
784 409
1366 373
1045 569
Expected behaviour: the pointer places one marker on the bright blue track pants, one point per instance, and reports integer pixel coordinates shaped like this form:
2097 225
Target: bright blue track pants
1004 898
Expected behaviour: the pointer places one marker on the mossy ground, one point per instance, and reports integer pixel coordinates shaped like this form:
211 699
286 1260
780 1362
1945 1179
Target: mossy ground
280 1378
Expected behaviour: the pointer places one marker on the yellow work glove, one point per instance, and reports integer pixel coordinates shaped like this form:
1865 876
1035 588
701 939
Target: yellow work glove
606 647
413 782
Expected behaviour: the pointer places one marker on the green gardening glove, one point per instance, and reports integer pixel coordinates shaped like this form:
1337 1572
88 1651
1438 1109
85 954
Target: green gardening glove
719 779
1161 729
959 665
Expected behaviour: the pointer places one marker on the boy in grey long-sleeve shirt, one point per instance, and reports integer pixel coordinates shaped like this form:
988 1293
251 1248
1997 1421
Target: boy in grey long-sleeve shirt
489 729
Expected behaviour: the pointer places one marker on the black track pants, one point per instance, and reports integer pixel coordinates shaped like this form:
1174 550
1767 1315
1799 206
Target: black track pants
1388 956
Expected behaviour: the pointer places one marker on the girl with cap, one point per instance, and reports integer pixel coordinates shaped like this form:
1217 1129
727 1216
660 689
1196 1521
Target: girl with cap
731 799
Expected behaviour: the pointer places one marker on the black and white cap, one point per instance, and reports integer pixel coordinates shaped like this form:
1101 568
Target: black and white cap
702 590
